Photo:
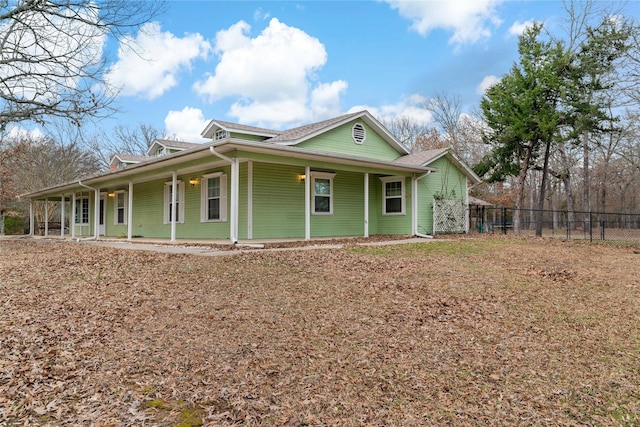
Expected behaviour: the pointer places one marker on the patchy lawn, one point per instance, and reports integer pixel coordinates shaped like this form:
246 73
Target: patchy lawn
463 332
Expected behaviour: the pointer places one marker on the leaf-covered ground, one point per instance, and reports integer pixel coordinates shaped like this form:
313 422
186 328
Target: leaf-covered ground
463 332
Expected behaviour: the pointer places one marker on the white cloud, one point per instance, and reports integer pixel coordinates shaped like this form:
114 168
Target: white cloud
273 75
149 64
186 125
486 83
411 108
518 27
467 19
18 133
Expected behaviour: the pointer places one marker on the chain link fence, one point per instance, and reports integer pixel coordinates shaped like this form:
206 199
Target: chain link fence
590 226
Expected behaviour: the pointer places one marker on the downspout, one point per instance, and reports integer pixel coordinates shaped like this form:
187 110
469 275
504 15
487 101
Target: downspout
415 207
233 220
96 212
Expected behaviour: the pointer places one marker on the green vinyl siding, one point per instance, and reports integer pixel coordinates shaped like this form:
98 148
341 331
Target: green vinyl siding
339 141
388 224
278 201
348 208
247 137
448 182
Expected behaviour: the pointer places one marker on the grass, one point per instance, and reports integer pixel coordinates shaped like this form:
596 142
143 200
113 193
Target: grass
487 331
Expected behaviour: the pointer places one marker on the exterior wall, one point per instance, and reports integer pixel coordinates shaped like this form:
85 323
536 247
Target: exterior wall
85 230
388 224
448 182
278 201
339 141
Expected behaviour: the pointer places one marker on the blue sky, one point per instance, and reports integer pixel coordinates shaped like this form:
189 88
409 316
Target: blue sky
280 64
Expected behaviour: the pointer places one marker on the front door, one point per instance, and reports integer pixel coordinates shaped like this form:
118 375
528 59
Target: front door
101 228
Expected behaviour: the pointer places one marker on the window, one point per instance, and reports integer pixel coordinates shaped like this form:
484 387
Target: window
213 201
358 133
322 193
392 195
120 208
82 210
161 151
168 189
220 134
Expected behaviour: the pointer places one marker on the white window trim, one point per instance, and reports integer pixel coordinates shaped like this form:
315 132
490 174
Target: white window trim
204 193
179 201
115 207
79 212
385 180
321 175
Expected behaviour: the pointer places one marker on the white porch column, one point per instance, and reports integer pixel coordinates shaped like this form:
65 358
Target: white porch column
235 195
62 213
366 204
307 203
31 219
130 212
250 200
46 217
72 220
96 214
174 192
414 205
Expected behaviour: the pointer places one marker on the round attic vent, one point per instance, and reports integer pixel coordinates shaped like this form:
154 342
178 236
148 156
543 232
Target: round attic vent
358 133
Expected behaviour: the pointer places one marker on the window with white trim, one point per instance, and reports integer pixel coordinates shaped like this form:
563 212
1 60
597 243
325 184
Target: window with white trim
393 195
168 190
120 208
322 187
220 134
213 198
82 210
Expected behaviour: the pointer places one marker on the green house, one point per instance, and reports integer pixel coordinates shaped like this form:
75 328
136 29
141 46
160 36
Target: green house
347 176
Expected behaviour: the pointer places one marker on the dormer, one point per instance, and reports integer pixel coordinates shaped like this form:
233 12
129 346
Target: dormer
218 130
164 147
121 161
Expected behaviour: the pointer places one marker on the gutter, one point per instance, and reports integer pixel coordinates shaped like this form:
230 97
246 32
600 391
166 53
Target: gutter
96 213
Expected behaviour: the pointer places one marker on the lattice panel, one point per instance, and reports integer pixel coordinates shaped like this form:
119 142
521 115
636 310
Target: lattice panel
450 216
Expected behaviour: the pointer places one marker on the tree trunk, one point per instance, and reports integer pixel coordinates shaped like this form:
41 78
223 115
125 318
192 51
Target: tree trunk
543 188
586 182
517 215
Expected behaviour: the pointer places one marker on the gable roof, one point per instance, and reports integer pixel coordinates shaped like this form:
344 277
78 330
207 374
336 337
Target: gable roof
215 125
302 133
425 158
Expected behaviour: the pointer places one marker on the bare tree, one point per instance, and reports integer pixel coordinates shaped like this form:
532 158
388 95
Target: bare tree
406 129
52 56
123 139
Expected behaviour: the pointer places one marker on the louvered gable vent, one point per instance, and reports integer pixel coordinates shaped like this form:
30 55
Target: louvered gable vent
358 133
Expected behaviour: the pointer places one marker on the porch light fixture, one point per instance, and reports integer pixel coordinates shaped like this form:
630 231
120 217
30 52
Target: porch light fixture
302 177
112 194
194 181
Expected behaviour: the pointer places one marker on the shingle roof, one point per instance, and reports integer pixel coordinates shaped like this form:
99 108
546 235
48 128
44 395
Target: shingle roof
309 129
420 158
178 144
246 128
131 157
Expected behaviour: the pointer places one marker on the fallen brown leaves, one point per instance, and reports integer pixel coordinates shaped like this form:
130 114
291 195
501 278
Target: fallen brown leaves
465 332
